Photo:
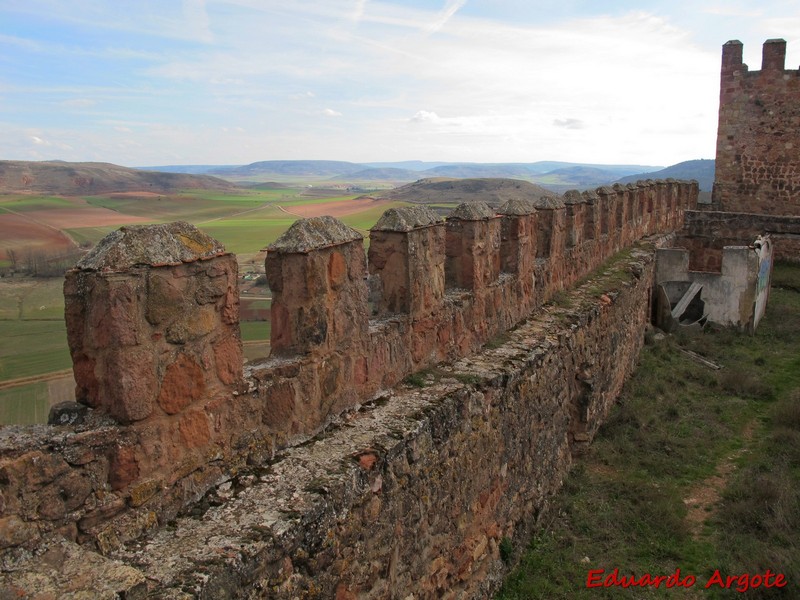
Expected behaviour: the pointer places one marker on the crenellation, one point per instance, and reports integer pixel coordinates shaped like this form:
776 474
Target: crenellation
406 251
316 271
593 218
472 255
518 241
576 217
146 298
157 355
757 166
773 57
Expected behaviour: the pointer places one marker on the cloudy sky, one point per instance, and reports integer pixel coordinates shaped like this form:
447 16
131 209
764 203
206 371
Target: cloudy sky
157 82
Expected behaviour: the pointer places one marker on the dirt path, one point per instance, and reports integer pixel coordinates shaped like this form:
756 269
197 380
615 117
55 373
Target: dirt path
703 499
288 212
11 383
244 212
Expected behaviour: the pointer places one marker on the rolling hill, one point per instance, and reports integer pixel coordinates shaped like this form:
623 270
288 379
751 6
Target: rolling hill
702 170
557 175
89 178
493 191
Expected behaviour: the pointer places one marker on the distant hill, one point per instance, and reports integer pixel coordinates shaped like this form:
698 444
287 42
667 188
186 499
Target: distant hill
296 168
702 170
380 174
467 170
493 191
58 177
583 176
190 169
555 174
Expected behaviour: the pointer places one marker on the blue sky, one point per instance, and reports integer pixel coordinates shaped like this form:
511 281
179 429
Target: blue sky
157 82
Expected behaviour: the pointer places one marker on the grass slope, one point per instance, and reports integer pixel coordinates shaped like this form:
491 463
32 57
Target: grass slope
695 470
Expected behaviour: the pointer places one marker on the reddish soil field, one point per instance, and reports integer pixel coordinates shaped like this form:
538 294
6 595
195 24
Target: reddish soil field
334 209
17 232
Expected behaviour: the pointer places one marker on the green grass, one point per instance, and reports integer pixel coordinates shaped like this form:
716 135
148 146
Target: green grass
365 219
89 235
44 300
622 505
25 405
9 304
255 331
32 348
26 203
243 236
32 298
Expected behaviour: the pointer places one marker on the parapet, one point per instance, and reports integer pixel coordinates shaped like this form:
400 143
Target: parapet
154 337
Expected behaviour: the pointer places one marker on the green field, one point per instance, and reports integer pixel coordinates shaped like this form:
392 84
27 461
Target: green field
22 203
248 235
32 333
32 348
25 405
89 235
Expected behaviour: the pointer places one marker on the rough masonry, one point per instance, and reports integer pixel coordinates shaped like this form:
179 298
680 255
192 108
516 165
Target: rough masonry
757 175
128 488
758 138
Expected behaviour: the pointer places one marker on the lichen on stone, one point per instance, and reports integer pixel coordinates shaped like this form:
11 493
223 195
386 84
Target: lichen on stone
590 196
314 233
517 207
472 211
548 203
573 197
406 218
156 245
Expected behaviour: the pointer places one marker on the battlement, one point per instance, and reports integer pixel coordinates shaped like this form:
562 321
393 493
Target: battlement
773 58
757 165
152 317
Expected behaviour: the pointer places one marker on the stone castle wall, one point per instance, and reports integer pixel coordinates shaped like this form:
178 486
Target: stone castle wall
706 233
344 331
758 138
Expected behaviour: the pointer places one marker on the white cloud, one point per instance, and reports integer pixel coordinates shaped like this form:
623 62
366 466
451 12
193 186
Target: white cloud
435 82
425 116
196 19
451 7
569 123
358 11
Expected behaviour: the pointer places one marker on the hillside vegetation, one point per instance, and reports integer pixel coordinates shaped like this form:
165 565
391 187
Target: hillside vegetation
455 191
695 469
701 170
556 175
88 178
